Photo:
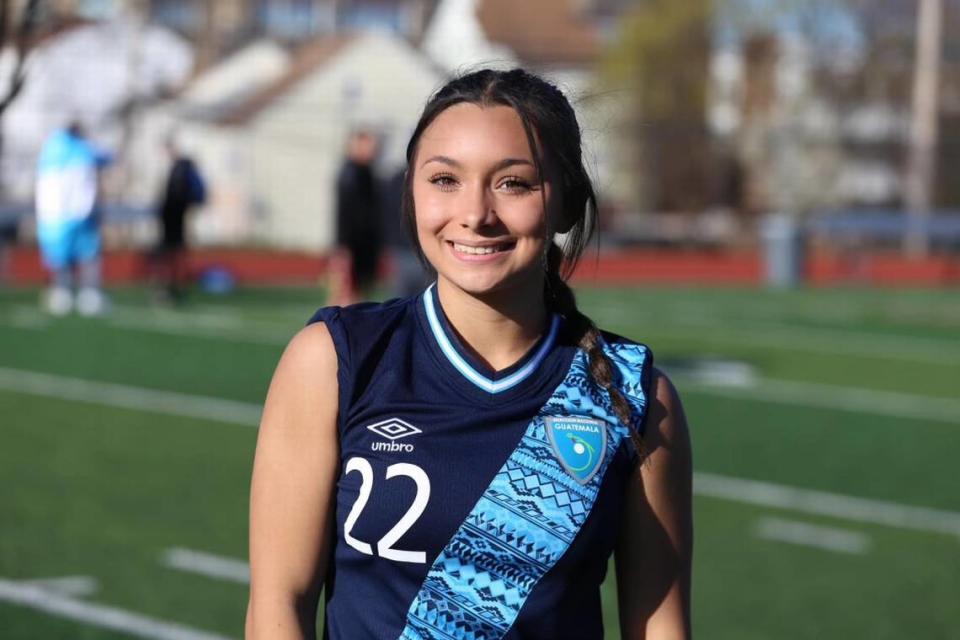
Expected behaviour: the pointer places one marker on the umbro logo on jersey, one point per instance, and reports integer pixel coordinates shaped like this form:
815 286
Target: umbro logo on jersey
393 429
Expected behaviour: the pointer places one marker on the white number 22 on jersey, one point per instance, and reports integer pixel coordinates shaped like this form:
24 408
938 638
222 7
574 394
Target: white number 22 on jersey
385 545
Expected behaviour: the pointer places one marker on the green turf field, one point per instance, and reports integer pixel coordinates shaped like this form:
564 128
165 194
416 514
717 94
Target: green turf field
826 431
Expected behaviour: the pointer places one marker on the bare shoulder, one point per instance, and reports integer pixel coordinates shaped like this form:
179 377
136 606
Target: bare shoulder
309 353
666 422
312 348
304 385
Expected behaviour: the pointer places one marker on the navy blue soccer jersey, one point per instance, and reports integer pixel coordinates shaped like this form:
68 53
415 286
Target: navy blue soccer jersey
471 503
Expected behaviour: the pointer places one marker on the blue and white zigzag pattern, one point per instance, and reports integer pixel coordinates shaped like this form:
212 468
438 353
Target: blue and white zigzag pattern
526 519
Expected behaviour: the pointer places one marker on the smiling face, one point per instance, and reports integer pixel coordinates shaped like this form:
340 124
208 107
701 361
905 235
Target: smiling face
479 202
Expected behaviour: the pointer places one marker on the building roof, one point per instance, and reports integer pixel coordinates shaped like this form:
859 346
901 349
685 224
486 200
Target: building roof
222 86
541 31
306 59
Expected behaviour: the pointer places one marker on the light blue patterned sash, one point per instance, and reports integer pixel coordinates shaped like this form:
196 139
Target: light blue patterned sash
528 516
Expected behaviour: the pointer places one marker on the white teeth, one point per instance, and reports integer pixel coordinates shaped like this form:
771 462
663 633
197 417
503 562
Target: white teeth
477 251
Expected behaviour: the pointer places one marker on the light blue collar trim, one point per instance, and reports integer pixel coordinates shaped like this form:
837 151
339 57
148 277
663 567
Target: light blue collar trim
471 374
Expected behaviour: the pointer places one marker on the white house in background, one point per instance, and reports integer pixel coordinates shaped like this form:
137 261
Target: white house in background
88 73
234 79
271 159
221 153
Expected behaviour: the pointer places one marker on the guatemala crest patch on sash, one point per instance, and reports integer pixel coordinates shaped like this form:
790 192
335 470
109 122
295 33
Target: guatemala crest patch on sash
579 444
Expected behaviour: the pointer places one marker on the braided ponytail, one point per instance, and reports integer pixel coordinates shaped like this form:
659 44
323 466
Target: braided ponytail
561 298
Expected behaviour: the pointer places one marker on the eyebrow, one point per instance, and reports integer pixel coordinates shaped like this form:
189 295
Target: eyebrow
503 164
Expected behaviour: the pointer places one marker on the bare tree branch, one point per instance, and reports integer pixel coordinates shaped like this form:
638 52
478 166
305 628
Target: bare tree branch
4 19
25 31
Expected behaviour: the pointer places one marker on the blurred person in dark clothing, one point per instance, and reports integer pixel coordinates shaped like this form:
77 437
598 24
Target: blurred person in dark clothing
353 266
184 188
9 227
408 274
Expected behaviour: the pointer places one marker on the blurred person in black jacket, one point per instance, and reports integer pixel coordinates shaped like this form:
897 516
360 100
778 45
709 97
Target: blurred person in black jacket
184 188
9 227
353 266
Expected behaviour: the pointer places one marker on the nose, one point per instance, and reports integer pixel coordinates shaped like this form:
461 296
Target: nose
479 210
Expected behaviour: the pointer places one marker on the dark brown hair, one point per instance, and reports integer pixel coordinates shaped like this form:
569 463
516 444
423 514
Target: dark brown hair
554 138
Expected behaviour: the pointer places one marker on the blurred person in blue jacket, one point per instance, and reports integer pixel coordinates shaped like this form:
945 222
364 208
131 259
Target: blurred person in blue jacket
184 188
68 225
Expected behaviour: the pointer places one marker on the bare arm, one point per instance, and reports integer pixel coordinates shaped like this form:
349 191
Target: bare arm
292 493
653 555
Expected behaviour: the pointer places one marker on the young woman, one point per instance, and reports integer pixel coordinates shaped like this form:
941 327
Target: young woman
461 464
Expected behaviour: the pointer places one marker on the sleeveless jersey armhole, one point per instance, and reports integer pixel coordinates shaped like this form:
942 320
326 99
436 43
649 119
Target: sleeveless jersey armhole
642 409
633 365
330 316
646 383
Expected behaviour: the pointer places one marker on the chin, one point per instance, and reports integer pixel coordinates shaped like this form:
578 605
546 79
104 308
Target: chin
481 284
476 285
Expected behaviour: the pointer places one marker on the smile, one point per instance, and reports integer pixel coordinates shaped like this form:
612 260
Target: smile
482 251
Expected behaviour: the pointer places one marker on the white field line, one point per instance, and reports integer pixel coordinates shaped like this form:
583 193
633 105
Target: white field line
884 403
207 564
812 394
227 324
28 318
178 323
70 586
207 324
783 336
821 503
208 321
205 319
141 626
213 320
811 535
287 311
888 306
749 491
127 397
852 342
181 328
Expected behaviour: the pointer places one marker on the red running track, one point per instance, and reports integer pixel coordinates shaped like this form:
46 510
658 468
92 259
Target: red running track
628 267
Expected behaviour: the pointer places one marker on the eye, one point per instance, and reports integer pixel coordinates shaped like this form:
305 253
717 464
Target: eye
515 185
446 181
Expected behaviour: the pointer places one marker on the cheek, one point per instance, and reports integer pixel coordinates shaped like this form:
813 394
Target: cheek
430 218
536 224
528 220
533 214
429 204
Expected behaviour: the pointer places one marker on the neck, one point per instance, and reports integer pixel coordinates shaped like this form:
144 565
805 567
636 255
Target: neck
499 327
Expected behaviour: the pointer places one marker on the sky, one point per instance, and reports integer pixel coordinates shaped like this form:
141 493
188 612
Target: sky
831 26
